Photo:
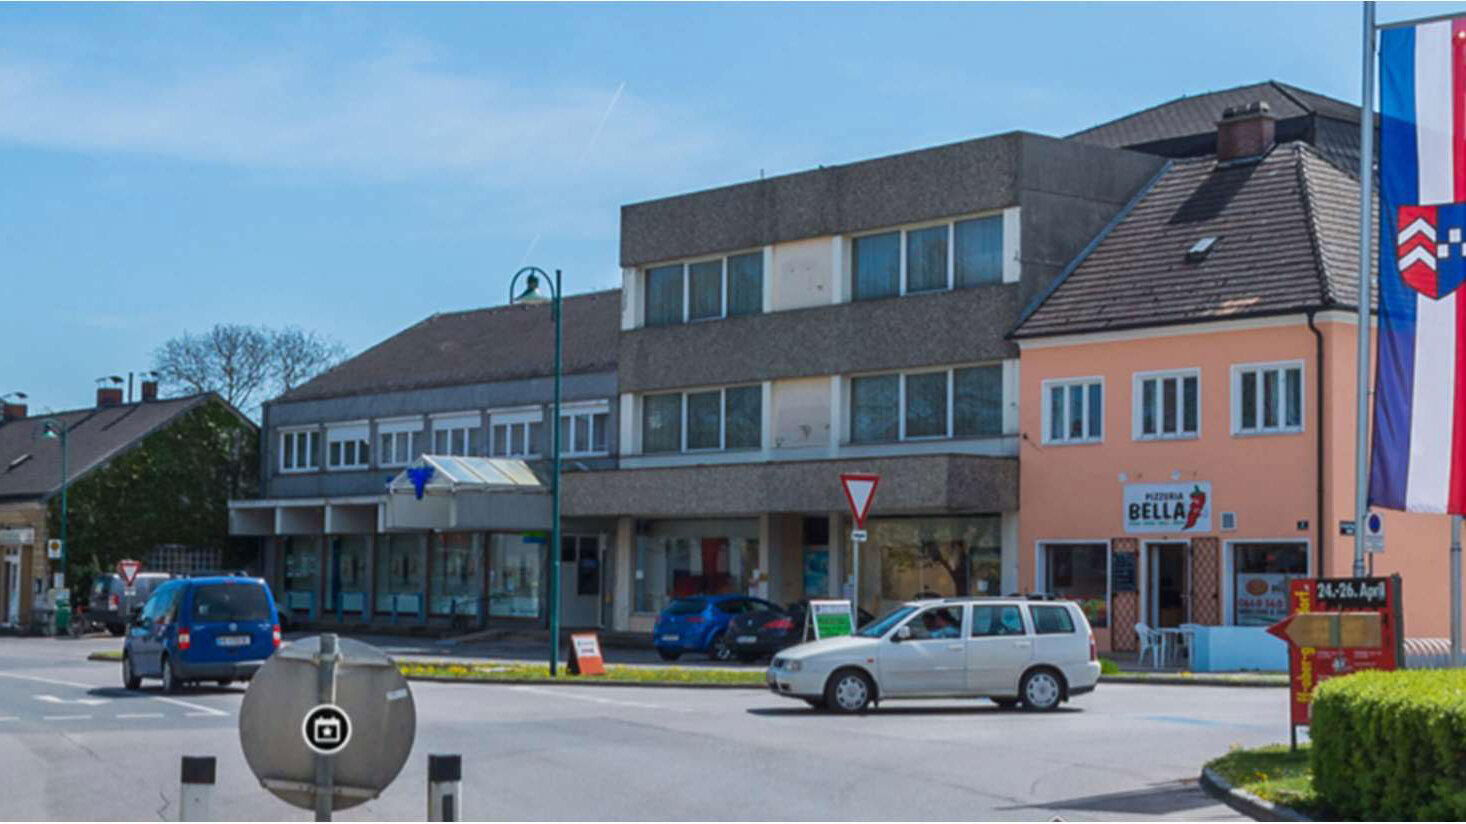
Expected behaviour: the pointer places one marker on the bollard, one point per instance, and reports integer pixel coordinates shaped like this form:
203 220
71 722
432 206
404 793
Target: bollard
325 767
445 787
196 795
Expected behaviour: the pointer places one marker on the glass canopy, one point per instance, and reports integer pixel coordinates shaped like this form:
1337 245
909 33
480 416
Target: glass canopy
448 474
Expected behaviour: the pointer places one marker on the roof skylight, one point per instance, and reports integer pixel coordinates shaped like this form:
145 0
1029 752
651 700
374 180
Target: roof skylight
1201 249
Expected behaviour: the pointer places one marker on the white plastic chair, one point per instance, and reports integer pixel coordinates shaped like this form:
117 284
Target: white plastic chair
1152 641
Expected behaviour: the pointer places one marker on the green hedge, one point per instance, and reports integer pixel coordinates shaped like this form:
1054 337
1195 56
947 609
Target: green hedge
1392 745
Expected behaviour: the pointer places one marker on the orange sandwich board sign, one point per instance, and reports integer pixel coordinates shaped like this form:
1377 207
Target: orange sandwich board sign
585 654
128 571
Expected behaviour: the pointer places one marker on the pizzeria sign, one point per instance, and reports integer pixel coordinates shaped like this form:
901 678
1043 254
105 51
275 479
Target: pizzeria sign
1174 508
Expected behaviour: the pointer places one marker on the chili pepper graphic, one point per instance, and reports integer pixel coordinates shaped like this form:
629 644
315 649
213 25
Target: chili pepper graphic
1198 503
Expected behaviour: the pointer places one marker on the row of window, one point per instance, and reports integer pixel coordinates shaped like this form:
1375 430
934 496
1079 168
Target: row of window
517 433
1266 399
951 255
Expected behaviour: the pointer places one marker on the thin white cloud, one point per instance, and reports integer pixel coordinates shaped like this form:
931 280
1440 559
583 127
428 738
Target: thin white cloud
395 116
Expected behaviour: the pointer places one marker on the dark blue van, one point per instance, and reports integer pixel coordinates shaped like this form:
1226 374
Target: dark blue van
201 629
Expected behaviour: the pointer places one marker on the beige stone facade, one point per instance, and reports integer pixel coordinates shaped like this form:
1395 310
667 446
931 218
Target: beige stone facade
23 566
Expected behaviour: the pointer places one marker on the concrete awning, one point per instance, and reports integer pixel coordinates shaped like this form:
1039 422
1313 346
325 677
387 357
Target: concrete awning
456 492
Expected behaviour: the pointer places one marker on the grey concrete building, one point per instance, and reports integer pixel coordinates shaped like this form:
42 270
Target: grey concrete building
777 333
340 546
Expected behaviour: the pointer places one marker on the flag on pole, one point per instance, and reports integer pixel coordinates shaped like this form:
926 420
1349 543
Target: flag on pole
1419 454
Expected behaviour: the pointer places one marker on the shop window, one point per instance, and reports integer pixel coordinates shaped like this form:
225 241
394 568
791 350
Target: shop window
302 571
346 575
400 580
1080 573
669 567
516 575
1267 399
908 558
456 577
1260 576
1074 411
300 450
1168 405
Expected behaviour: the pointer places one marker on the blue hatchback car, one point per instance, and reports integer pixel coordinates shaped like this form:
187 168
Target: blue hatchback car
201 629
697 623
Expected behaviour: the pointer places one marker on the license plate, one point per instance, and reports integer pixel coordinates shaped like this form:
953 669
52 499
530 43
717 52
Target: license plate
748 639
670 637
232 640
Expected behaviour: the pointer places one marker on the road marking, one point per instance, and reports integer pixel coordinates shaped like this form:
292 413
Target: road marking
9 718
140 715
594 699
91 702
202 714
50 681
201 710
65 717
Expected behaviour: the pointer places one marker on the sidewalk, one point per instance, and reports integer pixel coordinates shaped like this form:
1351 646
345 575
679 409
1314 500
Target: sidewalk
524 646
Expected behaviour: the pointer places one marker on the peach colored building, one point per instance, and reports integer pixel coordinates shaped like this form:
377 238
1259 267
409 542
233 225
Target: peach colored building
1187 397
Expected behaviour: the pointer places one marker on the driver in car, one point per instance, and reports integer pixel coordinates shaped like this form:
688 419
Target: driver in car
939 624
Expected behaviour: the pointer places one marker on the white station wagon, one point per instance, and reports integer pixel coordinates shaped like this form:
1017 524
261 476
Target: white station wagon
1032 650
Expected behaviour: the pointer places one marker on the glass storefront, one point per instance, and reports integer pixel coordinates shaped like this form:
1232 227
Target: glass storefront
1081 573
1260 576
302 571
456 574
400 568
516 575
907 558
679 558
347 574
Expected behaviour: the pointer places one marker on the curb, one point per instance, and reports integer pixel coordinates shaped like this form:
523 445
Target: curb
1245 802
1195 681
442 679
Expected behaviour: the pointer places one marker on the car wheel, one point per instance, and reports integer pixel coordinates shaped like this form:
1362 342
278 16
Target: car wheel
668 654
1042 690
115 629
719 650
130 679
1006 703
849 690
816 703
170 679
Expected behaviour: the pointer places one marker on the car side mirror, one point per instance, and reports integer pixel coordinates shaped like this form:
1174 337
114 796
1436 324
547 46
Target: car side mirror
902 634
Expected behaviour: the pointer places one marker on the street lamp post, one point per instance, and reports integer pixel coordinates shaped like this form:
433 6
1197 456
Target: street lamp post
54 429
531 295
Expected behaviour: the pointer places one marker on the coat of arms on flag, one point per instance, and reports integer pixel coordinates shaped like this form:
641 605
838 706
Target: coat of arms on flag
1431 261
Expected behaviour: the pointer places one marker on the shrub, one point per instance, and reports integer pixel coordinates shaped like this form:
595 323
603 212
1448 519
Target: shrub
1392 745
1108 667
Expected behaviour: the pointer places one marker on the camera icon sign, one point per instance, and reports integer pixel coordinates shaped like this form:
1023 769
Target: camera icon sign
326 729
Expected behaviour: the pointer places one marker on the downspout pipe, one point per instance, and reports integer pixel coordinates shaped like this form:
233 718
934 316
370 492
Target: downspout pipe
1319 439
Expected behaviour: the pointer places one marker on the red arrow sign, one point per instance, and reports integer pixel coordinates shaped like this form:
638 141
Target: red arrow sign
128 571
859 491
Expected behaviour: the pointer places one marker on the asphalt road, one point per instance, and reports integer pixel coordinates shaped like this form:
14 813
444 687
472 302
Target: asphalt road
75 746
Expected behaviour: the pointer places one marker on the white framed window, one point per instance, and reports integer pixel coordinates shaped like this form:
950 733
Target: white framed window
1267 398
515 433
1073 410
718 287
704 420
300 450
584 428
960 402
457 434
1167 405
399 441
348 446
932 257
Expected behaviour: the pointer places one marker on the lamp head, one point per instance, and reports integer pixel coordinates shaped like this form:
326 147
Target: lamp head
531 293
50 430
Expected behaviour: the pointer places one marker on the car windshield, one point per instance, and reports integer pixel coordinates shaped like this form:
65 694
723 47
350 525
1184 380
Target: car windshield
887 621
231 602
686 606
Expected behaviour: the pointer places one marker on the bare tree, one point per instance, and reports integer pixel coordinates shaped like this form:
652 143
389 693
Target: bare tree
243 362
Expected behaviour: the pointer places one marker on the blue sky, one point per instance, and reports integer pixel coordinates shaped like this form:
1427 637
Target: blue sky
352 169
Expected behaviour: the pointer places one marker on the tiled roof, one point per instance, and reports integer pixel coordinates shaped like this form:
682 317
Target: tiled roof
1287 236
1198 114
478 346
30 464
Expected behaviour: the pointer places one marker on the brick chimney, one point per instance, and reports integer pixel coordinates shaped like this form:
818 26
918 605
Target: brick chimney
109 396
1245 132
149 391
12 411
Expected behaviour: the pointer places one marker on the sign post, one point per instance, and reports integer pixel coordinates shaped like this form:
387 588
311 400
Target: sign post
1336 626
860 489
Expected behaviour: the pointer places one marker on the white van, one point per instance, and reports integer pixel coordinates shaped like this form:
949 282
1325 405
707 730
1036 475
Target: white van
1031 650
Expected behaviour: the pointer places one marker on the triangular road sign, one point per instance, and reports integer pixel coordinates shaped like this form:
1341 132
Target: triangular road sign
859 490
128 571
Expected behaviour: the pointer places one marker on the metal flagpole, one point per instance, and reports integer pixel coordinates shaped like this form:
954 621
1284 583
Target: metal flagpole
1456 591
1366 204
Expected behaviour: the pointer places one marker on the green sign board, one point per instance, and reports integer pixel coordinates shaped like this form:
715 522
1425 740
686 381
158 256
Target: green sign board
831 619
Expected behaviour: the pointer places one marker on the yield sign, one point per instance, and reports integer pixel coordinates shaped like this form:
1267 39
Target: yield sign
859 490
128 571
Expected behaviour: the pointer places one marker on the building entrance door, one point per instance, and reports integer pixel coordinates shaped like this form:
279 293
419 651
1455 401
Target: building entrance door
11 575
580 581
1167 584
